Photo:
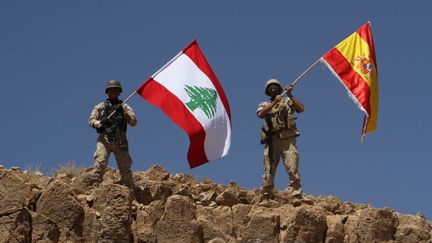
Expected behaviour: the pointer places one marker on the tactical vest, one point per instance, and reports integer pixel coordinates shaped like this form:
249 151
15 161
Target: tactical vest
115 123
280 120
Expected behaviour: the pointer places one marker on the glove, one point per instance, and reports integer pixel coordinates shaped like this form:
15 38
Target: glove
97 124
289 89
104 121
119 108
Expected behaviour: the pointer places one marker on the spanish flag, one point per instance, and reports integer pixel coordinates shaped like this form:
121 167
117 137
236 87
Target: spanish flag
353 62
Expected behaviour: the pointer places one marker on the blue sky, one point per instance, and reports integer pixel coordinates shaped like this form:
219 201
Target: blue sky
55 57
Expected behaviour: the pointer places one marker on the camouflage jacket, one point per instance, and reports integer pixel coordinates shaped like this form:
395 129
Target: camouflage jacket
99 110
281 117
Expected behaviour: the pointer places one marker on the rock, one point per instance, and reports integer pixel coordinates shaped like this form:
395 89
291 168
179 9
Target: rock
412 229
58 204
207 197
44 230
216 222
164 208
369 225
184 190
145 221
14 192
34 195
15 168
85 182
113 202
156 191
156 173
331 204
245 197
91 225
143 195
335 228
303 224
269 203
179 207
178 231
262 227
227 198
240 217
217 240
178 223
15 226
184 179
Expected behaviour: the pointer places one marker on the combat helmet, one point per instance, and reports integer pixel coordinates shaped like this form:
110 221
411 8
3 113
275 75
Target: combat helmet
269 82
113 84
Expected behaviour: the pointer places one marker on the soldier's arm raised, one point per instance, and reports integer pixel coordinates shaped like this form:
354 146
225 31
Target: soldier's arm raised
298 105
129 115
264 111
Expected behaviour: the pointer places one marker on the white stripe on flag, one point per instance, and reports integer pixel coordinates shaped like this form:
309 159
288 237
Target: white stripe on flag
183 71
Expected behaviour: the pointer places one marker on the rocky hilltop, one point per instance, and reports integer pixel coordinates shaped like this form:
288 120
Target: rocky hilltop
178 208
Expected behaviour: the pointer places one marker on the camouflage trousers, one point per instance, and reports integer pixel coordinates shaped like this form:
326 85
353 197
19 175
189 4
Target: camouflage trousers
287 149
121 153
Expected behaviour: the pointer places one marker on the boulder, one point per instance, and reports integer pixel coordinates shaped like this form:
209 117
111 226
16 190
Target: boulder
15 226
113 204
179 207
263 226
412 229
369 225
156 173
335 228
207 197
14 192
216 222
168 231
146 218
43 229
240 217
303 224
178 223
227 198
58 204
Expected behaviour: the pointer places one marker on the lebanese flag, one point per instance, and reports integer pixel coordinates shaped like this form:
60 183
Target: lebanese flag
188 92
354 63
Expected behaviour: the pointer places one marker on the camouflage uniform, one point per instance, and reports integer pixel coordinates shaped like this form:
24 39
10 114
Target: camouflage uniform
279 136
108 142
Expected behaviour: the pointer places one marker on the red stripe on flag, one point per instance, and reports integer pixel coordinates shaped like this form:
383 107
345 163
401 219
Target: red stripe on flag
174 108
352 80
194 52
366 34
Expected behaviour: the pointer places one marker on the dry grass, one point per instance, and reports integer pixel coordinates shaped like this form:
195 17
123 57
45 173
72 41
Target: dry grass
69 168
34 172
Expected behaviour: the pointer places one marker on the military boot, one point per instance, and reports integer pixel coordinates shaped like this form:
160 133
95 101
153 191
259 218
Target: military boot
295 192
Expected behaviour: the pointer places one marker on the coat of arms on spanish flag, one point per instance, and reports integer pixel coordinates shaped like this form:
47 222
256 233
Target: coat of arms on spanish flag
353 62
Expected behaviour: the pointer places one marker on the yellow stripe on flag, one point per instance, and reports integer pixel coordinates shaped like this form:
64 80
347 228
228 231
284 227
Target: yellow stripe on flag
356 50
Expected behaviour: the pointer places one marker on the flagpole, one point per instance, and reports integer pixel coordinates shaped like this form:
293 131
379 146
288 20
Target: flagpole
154 75
124 102
301 76
167 64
